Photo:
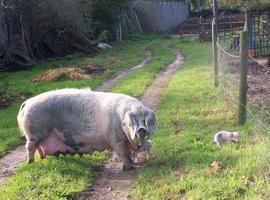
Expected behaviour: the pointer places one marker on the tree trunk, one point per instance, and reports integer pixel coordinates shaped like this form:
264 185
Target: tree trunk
3 29
15 35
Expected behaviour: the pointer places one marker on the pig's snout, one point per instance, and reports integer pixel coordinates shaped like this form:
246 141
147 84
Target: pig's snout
142 133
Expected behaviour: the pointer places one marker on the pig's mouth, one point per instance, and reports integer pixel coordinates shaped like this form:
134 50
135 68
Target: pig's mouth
141 136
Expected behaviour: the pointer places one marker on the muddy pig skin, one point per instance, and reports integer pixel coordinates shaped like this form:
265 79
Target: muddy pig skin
71 121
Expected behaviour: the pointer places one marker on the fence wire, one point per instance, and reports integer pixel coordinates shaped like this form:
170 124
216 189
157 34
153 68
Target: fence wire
258 106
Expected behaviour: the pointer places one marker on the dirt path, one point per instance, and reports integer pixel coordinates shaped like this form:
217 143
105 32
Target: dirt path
108 84
153 94
10 161
117 186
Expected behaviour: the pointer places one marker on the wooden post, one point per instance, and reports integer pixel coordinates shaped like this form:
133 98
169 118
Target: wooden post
247 21
243 77
138 22
214 46
201 29
120 28
214 43
224 29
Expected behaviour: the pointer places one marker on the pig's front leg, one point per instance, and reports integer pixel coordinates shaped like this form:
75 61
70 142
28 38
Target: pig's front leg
124 154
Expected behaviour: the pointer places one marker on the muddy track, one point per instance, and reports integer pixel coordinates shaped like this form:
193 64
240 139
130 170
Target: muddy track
108 84
116 186
10 161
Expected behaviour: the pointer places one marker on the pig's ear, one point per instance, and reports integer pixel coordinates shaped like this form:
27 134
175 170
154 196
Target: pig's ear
237 133
129 124
231 135
150 122
236 136
133 125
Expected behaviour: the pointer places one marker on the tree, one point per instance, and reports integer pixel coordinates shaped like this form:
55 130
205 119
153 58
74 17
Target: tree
106 14
35 29
243 5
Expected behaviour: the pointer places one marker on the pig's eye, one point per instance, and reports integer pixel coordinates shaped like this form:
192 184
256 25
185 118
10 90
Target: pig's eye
129 124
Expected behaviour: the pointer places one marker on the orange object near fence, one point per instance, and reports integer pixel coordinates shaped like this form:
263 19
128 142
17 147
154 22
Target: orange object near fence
251 52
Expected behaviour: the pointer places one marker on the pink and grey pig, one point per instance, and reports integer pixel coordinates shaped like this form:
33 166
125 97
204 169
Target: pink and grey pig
226 136
77 121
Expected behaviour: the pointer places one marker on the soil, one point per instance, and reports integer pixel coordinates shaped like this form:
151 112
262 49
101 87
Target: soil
113 183
259 87
7 100
108 84
10 162
69 73
153 94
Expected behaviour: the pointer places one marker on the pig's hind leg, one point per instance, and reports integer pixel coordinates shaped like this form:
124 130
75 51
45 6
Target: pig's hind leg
41 152
34 135
30 150
32 144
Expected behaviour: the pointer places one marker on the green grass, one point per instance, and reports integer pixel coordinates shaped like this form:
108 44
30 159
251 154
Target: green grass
53 178
64 177
191 112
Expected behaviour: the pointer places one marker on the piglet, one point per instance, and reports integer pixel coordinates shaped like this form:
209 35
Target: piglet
222 137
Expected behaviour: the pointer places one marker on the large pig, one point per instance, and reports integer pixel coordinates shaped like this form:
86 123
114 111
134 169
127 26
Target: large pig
70 121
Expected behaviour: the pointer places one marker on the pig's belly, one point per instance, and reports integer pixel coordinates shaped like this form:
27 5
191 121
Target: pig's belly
54 145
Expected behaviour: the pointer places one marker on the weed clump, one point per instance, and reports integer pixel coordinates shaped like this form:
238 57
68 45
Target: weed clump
64 76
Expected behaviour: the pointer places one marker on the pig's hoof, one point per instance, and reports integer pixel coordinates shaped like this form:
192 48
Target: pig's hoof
30 160
80 154
138 165
128 167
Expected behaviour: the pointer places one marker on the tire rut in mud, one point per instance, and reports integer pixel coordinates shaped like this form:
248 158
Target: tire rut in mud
117 186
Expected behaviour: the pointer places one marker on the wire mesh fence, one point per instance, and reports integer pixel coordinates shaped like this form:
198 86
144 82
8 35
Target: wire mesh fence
230 42
258 106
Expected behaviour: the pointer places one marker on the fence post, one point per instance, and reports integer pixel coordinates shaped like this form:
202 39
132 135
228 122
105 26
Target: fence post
243 77
201 29
214 42
214 46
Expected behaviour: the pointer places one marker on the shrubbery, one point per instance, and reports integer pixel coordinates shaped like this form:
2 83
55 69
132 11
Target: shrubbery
35 29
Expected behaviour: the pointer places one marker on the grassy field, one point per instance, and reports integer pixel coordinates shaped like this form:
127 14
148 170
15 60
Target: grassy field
191 112
70 175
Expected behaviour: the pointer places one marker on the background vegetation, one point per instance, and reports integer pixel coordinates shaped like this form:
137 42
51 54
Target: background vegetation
32 30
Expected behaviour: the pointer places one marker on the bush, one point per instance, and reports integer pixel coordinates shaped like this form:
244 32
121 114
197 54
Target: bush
64 76
4 85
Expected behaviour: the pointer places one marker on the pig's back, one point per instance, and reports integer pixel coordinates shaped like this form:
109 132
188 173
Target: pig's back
75 111
65 110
